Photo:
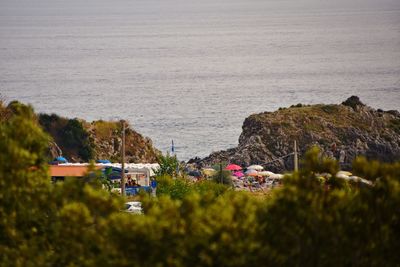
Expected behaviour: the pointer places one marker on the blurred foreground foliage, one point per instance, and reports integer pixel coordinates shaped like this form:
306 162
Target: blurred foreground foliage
307 222
181 187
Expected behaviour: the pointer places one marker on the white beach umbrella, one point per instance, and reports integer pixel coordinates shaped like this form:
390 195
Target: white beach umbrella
255 167
276 176
266 173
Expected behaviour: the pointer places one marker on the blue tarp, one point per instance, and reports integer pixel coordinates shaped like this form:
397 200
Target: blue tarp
134 190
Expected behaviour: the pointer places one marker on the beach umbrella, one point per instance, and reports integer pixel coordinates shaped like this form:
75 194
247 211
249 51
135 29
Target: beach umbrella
61 159
266 173
233 167
276 176
238 174
256 167
251 173
104 161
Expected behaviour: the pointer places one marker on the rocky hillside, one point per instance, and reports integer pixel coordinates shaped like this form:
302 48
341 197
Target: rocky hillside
81 141
342 131
78 140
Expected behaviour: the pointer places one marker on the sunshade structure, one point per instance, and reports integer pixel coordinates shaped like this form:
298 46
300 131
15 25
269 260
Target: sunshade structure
233 167
104 161
61 160
238 174
266 173
70 170
255 167
276 176
343 175
114 172
251 173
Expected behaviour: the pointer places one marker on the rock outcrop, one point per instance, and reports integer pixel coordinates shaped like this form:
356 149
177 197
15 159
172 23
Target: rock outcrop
342 131
107 139
81 141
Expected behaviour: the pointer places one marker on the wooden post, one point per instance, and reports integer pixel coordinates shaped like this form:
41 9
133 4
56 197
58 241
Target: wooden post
296 160
220 173
123 159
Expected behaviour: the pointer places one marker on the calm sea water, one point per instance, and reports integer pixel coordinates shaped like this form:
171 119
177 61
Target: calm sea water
192 71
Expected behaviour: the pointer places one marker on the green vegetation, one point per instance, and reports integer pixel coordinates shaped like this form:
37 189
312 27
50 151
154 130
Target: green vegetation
105 129
330 109
169 165
69 134
353 102
307 222
181 187
221 175
395 125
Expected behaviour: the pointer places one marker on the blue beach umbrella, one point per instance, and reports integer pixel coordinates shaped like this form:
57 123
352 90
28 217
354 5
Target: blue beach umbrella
104 161
61 159
113 172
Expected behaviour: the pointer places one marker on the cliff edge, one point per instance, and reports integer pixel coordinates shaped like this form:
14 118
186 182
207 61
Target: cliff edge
342 131
79 140
82 141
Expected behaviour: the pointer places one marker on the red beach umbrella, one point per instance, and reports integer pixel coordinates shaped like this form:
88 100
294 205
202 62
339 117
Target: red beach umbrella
233 167
238 174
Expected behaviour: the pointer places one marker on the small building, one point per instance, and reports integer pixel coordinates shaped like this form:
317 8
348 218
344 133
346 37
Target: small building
59 172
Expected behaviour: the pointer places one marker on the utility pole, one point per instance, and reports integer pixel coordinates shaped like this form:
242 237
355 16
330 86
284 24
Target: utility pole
123 159
220 173
296 160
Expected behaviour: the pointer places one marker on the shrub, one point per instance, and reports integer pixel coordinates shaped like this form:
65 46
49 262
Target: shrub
169 165
178 188
353 102
306 222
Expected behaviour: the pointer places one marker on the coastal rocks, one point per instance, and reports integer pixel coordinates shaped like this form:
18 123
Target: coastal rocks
81 141
342 132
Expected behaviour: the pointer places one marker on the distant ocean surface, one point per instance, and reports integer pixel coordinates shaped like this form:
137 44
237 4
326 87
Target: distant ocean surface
192 71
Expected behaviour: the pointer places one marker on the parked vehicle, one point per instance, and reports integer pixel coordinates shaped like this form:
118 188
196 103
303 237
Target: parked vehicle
133 207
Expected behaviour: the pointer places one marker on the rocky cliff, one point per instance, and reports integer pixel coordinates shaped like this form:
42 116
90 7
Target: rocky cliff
341 131
78 140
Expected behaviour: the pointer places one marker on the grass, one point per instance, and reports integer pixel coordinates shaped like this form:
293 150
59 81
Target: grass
394 124
104 129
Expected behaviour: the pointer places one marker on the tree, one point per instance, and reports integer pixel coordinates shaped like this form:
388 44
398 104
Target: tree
169 165
24 185
306 222
221 175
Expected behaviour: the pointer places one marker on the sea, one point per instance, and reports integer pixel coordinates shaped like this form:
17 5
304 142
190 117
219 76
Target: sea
192 71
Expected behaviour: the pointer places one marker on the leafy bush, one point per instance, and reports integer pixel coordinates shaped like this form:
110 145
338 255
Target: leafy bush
179 188
169 165
74 135
306 222
353 102
69 134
